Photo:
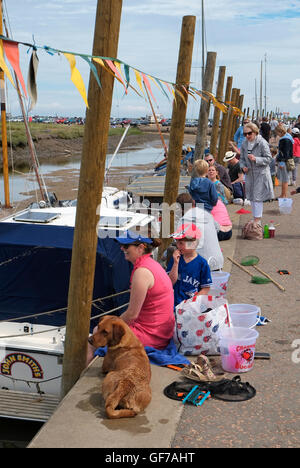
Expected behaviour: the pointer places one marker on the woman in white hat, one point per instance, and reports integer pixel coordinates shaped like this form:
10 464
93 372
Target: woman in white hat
255 163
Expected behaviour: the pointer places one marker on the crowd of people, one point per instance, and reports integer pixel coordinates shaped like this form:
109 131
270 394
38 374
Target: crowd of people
251 172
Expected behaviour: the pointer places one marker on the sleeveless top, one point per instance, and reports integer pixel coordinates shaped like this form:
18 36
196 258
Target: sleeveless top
155 323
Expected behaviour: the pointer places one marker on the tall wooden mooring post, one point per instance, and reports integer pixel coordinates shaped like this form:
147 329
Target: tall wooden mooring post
178 123
106 37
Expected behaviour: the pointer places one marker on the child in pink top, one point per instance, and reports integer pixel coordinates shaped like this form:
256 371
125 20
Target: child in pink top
221 215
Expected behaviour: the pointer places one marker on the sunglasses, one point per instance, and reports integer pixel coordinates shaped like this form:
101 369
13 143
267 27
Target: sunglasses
126 246
209 160
248 133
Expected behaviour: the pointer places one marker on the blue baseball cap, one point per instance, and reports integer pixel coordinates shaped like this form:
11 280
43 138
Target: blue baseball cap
130 237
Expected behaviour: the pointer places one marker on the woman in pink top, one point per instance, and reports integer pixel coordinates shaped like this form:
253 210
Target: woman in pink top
150 313
221 215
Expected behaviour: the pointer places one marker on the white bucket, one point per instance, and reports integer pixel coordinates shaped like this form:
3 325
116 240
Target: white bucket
220 280
285 205
244 315
237 347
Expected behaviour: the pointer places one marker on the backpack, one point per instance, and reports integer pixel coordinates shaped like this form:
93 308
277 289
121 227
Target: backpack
252 231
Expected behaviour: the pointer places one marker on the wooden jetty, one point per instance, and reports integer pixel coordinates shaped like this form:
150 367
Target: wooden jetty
152 187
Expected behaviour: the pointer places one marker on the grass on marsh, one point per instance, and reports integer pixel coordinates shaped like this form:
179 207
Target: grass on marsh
16 134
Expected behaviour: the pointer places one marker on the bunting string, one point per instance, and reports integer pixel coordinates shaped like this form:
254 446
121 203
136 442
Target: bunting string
120 70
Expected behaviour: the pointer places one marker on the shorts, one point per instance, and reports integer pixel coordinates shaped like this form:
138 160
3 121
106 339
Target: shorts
282 173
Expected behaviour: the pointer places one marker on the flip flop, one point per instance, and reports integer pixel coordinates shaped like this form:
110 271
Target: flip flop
226 390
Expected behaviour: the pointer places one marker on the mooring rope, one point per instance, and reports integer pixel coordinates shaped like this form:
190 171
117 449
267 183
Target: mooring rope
62 326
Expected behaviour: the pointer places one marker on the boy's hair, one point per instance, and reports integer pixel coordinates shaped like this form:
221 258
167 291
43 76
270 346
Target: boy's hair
201 167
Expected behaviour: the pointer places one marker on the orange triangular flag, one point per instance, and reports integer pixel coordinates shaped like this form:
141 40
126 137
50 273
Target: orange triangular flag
146 81
11 50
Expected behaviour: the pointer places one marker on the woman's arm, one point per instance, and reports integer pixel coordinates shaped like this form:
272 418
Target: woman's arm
142 281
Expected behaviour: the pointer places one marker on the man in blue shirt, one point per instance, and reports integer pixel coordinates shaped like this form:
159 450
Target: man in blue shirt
188 271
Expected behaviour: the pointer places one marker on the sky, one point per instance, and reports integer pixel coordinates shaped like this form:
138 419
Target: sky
241 33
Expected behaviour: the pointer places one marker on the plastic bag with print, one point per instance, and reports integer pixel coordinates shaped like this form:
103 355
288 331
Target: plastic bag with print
198 322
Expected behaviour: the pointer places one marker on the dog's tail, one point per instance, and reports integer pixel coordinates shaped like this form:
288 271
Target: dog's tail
123 388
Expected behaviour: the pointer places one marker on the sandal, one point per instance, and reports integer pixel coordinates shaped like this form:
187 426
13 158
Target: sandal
200 373
210 366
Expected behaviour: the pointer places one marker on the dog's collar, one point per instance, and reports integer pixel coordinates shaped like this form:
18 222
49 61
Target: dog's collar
113 347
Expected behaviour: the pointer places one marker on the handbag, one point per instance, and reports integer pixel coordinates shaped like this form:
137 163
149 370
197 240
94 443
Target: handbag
290 164
252 231
198 322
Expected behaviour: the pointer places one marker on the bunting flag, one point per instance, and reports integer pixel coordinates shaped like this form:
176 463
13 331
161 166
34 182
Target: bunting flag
146 82
114 69
139 80
161 86
3 64
12 53
31 79
111 65
76 77
93 68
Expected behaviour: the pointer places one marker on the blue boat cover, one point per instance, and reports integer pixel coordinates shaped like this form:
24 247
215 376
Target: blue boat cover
35 265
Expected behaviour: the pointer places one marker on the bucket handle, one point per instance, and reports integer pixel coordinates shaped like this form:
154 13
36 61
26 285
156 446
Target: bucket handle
257 319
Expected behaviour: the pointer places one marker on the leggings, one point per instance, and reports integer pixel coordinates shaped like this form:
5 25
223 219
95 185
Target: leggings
257 209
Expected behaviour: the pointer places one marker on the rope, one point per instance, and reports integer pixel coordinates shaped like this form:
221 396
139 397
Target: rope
31 381
24 254
40 314
62 326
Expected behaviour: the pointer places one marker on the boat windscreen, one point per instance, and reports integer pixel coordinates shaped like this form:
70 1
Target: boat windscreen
36 217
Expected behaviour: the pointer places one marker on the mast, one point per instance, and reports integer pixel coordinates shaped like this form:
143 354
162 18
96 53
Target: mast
265 84
256 102
203 42
3 127
260 96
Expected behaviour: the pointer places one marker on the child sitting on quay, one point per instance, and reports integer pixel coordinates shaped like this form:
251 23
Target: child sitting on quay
201 188
188 271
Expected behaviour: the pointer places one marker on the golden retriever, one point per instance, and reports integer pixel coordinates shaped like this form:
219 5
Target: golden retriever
126 388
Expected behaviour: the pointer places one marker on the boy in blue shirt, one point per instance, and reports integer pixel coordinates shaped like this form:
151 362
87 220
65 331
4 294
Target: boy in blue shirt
201 189
188 271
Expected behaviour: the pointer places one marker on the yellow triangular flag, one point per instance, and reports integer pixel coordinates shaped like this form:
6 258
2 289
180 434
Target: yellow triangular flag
76 77
139 80
4 66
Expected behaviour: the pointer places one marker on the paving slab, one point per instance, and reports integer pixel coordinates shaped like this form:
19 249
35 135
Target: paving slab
80 419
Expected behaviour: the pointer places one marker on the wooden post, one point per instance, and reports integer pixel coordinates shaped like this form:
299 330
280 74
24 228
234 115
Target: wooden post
224 124
239 117
178 121
205 105
234 116
3 128
231 116
92 170
217 112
